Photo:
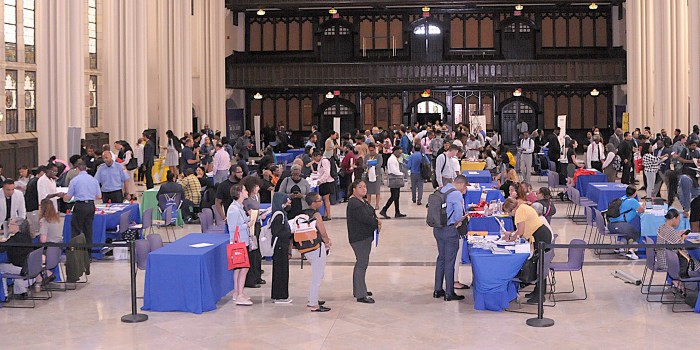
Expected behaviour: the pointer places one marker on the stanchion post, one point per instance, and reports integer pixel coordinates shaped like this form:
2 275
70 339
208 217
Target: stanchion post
540 321
133 317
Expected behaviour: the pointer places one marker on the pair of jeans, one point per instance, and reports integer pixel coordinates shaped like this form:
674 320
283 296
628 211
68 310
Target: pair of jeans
361 249
393 198
447 240
416 187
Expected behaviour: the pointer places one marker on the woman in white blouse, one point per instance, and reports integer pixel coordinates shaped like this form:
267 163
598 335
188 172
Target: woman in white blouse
326 182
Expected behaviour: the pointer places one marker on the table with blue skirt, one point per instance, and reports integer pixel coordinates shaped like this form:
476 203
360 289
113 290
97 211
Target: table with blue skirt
695 254
295 152
183 278
104 222
490 224
284 158
478 176
602 193
582 181
493 278
474 196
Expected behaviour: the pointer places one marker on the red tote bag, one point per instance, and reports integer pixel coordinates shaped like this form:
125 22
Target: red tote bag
237 253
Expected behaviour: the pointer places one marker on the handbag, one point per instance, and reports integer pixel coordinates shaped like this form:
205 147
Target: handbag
395 181
237 253
528 273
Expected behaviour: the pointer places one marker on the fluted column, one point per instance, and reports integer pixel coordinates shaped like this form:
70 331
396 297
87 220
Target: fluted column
213 107
61 81
662 27
634 61
681 94
125 70
693 62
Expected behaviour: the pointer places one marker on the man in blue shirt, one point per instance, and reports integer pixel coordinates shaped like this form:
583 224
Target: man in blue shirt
405 142
111 176
83 189
448 239
629 209
414 164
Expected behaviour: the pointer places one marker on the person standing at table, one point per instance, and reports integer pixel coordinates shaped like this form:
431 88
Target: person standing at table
595 154
111 176
281 233
84 190
527 148
238 220
149 155
611 163
530 227
362 221
629 209
687 190
46 185
393 168
444 167
447 239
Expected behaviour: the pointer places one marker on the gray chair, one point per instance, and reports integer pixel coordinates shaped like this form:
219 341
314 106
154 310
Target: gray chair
650 266
206 221
573 263
673 271
53 260
155 241
602 232
590 223
167 222
553 182
34 269
146 223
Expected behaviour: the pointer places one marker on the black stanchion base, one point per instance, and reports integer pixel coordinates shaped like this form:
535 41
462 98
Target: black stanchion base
134 318
540 322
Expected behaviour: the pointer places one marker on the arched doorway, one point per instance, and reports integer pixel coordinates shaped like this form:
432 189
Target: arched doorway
426 109
426 41
518 39
340 108
513 110
337 41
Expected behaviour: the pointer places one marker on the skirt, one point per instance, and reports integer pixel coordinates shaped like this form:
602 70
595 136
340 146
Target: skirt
570 169
171 158
326 188
374 187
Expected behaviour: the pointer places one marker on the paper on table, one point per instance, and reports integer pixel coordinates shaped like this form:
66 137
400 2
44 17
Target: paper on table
600 185
201 245
473 173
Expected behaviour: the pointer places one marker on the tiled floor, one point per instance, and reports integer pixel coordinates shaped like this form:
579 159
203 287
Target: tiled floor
404 317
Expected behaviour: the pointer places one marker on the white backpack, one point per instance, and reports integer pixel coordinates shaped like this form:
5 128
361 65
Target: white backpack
304 233
266 242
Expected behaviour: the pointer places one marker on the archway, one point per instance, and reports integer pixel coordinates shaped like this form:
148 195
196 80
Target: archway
336 41
518 39
426 41
337 107
426 109
514 110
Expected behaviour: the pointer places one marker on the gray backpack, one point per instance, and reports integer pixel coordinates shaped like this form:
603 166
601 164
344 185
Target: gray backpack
437 209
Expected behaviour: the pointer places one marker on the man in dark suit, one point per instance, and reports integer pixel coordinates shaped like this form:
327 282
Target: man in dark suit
554 149
626 153
149 154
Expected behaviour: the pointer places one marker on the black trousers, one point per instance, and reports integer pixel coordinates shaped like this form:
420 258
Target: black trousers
82 218
362 250
147 172
597 165
280 271
114 197
255 272
394 198
627 173
141 174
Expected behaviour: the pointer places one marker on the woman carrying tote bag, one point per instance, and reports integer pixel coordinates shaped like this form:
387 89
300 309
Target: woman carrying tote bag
395 180
238 221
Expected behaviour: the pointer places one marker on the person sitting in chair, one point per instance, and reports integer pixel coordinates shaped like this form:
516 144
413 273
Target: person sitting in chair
620 225
18 232
170 188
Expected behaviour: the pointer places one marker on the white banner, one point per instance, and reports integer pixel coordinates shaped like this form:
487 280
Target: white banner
477 121
258 134
561 123
336 125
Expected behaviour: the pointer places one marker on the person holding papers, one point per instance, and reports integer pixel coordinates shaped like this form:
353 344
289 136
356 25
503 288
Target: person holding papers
362 223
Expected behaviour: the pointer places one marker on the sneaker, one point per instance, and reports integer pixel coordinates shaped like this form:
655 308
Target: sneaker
631 256
282 301
621 251
244 302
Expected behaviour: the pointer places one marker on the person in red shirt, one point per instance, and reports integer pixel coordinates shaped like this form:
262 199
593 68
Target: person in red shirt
348 167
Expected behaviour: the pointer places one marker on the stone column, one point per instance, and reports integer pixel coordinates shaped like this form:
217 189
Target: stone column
209 63
61 79
125 69
693 63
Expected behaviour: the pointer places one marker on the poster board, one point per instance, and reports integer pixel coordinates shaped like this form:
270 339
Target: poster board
561 123
476 122
258 133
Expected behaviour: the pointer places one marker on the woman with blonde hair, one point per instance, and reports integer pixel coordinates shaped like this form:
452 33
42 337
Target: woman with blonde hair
50 227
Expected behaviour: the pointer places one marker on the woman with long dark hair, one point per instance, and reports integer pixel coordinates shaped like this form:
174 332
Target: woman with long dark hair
687 190
174 147
126 154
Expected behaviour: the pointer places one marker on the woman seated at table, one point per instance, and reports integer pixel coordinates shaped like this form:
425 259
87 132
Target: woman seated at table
506 179
19 232
610 165
530 227
687 190
202 177
544 197
490 164
50 226
667 234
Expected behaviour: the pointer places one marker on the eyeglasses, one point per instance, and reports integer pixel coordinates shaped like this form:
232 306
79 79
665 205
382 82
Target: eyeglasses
318 201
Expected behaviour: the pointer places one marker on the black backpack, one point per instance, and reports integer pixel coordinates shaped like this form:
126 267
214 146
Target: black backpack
334 168
425 171
614 208
437 209
433 176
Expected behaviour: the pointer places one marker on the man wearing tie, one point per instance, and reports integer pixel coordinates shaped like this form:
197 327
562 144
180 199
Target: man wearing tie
83 189
527 147
595 154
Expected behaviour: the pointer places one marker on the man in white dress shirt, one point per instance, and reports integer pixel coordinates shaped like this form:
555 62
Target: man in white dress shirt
527 147
46 185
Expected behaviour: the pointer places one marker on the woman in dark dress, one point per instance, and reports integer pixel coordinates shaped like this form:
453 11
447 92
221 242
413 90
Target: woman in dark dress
362 221
281 233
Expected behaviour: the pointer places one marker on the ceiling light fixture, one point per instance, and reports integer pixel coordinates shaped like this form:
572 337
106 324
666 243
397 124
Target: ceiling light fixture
595 92
426 9
425 94
258 96
518 7
593 6
518 92
329 95
332 11
261 12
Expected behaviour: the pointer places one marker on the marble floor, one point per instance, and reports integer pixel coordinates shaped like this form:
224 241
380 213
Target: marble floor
405 315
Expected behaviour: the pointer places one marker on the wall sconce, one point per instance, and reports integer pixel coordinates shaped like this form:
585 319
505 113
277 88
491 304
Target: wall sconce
593 6
425 94
258 96
595 92
261 12
518 92
333 11
329 95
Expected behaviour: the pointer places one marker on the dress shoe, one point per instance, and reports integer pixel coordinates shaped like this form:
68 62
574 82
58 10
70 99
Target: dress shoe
399 215
321 308
383 214
366 300
321 302
253 286
262 281
532 301
453 297
369 294
530 295
438 294
419 203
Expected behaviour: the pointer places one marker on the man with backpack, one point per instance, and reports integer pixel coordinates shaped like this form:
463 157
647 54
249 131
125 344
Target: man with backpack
444 167
621 212
445 215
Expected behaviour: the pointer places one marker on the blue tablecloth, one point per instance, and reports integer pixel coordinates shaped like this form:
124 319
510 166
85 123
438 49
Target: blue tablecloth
183 278
477 176
490 224
603 193
648 224
295 152
493 276
102 223
284 157
474 196
582 181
